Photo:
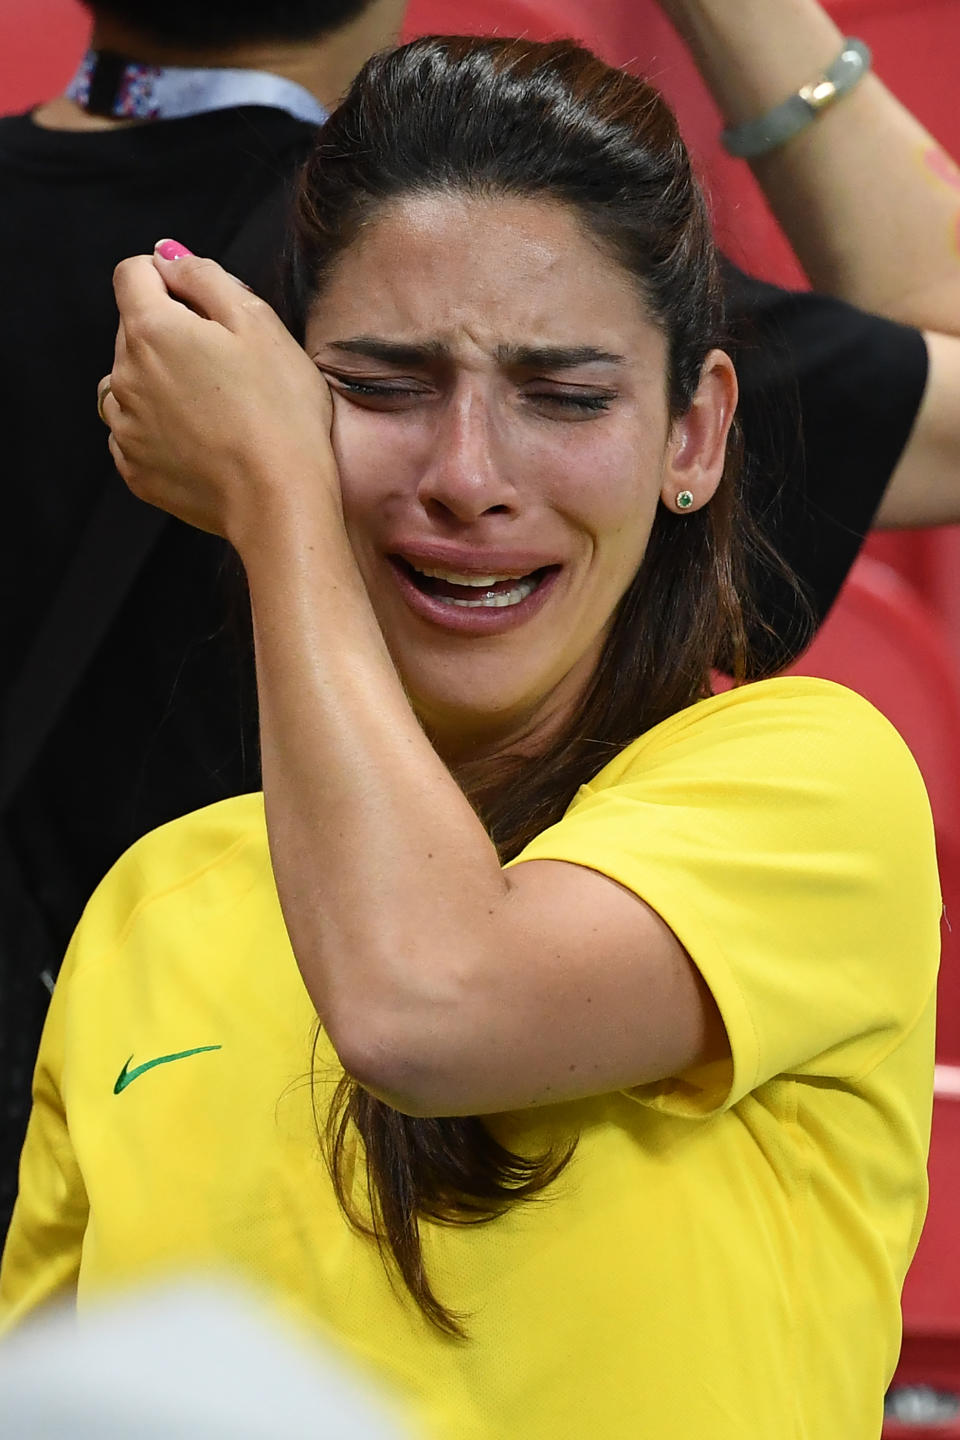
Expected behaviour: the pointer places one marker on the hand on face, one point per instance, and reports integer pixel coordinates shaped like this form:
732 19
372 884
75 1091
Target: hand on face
215 413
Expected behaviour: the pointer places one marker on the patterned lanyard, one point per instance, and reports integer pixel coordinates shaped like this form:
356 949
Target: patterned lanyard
111 85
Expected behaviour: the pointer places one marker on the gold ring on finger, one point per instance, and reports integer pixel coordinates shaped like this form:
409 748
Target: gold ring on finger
104 390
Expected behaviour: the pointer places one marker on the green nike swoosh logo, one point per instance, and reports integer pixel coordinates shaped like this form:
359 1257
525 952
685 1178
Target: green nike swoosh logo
127 1076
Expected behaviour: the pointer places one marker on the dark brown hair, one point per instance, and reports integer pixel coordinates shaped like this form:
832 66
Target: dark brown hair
515 118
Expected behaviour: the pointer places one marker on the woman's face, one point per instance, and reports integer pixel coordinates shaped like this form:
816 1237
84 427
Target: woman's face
503 438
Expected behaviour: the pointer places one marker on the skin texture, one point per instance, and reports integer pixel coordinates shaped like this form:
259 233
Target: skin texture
446 985
488 452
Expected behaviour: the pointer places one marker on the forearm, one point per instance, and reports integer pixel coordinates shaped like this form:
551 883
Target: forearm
389 885
868 200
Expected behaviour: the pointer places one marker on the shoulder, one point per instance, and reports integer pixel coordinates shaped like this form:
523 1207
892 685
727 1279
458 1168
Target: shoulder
19 137
790 795
198 862
783 833
794 727
817 332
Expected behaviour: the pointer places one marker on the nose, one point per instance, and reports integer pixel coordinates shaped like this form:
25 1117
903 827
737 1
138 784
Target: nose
467 475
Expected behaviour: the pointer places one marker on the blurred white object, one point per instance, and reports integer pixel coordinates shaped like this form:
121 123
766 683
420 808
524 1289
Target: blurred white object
186 1362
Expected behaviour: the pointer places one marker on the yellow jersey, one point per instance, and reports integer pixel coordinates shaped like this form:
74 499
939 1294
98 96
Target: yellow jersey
723 1256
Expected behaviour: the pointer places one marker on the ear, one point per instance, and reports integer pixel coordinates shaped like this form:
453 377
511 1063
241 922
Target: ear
697 444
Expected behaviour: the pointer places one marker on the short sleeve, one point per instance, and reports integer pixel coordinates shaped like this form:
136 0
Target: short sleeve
41 1258
828 399
783 833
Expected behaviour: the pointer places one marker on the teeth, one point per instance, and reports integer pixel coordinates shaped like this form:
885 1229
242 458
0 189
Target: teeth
478 582
494 602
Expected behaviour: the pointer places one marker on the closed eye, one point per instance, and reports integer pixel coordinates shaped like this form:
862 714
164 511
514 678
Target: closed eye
381 392
578 405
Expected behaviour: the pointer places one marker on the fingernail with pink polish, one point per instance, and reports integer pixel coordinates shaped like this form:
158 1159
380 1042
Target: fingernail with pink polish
171 250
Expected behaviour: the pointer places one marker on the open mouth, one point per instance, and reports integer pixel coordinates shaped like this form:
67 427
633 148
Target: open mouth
474 592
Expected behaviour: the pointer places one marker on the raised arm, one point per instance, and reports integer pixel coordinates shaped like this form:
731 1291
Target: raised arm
868 199
446 985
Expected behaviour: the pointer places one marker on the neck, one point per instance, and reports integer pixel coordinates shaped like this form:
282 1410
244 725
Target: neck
324 66
466 741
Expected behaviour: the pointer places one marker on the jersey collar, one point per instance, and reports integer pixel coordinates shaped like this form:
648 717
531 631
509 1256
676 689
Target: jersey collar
111 85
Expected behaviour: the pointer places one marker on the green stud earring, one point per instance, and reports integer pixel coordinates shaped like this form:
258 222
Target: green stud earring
684 499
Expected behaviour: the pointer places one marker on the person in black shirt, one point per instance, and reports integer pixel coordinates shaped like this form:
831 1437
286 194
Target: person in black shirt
160 719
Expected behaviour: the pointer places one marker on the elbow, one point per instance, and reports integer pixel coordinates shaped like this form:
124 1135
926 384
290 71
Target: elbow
413 1042
395 1078
397 1067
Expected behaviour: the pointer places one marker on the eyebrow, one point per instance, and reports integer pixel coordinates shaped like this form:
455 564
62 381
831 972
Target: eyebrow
554 357
392 352
514 357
